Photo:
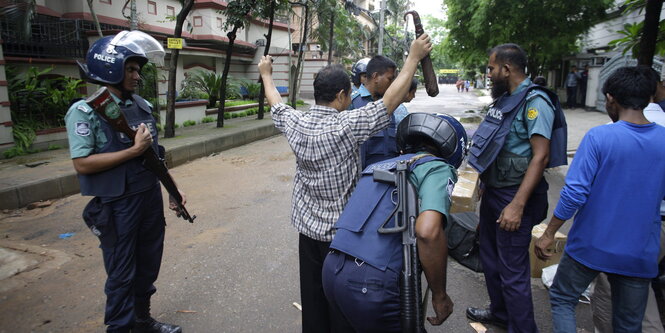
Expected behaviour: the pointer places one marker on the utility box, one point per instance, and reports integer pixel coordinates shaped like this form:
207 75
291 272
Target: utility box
465 194
556 249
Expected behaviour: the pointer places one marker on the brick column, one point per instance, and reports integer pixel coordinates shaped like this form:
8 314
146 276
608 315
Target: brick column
6 135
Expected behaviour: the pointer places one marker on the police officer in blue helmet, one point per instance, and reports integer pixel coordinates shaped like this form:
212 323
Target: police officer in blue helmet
126 212
361 274
358 75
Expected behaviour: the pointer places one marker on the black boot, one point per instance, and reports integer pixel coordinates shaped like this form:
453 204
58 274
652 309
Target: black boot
144 323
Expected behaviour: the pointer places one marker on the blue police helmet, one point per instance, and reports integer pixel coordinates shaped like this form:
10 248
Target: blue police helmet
360 67
445 134
105 61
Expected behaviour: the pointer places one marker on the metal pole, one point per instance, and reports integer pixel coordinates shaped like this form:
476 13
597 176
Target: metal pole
381 24
133 22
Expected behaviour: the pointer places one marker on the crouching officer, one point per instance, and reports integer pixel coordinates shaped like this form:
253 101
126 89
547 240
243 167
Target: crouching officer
127 211
361 274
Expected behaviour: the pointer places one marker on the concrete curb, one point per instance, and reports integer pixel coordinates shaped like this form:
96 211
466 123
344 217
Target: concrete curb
63 185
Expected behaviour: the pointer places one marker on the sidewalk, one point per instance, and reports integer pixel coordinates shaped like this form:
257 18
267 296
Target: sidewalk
50 174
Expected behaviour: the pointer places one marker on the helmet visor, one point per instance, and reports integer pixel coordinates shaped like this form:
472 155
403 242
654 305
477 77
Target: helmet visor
141 43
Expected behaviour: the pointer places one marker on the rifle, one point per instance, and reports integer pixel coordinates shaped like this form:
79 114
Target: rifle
412 314
106 107
431 84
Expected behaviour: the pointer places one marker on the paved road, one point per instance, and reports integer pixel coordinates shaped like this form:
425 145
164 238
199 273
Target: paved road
233 270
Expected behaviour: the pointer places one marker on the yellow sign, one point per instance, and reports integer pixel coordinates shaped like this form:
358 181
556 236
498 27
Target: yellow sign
174 43
449 71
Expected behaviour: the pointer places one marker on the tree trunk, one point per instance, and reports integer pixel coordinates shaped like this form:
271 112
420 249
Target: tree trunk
227 66
332 33
169 127
649 32
294 92
262 94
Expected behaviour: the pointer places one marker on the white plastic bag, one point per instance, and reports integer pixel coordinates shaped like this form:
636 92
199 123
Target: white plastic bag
548 278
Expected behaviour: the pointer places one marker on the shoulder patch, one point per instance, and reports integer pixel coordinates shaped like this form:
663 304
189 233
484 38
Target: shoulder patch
450 187
82 128
84 107
532 114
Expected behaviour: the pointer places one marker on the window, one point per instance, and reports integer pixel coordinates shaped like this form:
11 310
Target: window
170 11
152 7
105 1
219 23
198 21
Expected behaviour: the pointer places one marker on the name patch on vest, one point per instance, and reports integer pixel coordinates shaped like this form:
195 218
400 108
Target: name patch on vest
82 128
495 113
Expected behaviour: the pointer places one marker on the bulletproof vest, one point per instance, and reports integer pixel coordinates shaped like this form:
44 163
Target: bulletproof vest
380 146
491 135
128 177
368 208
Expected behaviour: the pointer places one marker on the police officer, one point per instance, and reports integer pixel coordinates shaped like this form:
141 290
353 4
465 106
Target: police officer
381 72
523 133
127 212
361 274
359 75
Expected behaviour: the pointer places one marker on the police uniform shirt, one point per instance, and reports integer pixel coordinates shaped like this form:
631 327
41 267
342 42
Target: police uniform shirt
536 117
84 130
435 181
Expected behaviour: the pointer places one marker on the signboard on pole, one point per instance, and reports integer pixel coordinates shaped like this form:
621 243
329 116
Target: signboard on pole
174 43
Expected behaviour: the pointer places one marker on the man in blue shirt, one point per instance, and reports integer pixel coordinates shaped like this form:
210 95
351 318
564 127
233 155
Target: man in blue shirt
571 87
613 188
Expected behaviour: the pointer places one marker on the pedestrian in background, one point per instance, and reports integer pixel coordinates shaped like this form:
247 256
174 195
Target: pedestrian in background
614 188
326 142
584 80
522 134
127 209
572 80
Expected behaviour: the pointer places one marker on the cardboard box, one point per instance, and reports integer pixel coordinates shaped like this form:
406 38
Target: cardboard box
556 249
465 194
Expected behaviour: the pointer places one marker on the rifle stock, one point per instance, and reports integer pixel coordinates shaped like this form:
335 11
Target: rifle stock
104 105
431 84
412 314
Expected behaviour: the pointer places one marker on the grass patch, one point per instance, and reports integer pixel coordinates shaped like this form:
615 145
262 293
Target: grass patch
188 123
239 102
207 120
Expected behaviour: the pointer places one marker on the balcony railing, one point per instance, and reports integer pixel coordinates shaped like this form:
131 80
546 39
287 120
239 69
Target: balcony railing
49 38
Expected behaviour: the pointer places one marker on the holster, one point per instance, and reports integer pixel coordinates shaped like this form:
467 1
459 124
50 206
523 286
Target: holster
99 218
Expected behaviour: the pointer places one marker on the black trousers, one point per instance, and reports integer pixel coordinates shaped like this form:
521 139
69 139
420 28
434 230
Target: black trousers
317 315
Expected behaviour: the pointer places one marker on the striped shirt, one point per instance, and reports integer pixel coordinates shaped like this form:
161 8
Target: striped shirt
325 142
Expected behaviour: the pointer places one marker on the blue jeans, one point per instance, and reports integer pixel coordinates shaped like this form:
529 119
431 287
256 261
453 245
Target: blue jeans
629 297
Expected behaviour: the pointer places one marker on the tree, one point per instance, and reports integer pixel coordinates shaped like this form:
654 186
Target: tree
237 17
547 30
644 38
275 5
169 128
295 80
437 32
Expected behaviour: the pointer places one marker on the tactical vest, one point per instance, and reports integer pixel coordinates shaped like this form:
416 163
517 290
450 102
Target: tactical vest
380 146
128 177
368 208
491 135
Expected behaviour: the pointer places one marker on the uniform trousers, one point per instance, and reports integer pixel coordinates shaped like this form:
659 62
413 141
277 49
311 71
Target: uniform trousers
505 257
132 263
366 296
